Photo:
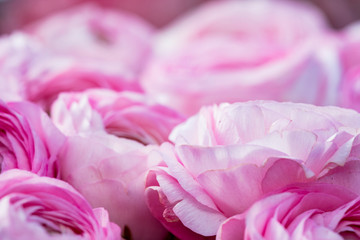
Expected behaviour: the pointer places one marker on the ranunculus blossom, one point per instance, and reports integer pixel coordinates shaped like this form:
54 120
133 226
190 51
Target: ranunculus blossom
317 211
123 114
105 157
28 139
116 39
110 172
227 157
102 49
15 50
34 207
231 51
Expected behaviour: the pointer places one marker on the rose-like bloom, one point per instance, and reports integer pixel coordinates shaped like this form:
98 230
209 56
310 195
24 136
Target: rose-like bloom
318 211
231 51
84 47
105 36
105 157
228 156
28 139
34 207
39 74
110 172
124 114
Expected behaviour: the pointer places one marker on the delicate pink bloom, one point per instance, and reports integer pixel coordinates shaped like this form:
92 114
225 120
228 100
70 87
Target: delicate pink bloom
33 207
110 173
228 156
126 114
105 157
28 139
118 40
102 49
318 211
230 51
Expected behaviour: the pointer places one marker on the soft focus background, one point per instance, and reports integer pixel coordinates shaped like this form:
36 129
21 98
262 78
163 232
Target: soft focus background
116 90
16 13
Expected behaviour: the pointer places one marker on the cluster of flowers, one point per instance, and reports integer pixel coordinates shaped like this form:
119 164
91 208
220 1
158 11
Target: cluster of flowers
110 129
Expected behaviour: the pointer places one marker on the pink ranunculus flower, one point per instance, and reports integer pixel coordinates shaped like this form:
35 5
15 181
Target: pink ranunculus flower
34 207
227 157
124 114
114 39
105 157
231 51
28 139
101 49
317 211
110 173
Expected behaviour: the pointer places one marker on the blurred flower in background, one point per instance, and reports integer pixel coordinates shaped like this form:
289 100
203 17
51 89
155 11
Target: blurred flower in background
102 48
232 51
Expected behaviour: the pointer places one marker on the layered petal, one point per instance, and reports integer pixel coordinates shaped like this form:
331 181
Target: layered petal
228 157
126 115
313 211
28 139
46 208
